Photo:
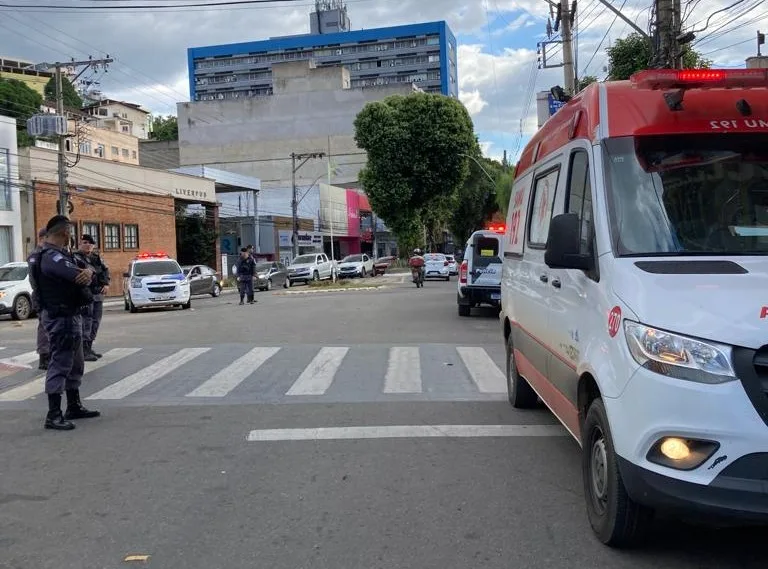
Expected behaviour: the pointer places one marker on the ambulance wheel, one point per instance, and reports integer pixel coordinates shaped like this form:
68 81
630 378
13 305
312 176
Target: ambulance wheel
519 392
615 518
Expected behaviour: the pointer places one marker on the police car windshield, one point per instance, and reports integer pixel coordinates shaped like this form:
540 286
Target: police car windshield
156 268
9 274
688 195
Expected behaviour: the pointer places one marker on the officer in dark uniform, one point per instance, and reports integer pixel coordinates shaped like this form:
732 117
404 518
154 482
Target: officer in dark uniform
63 289
246 269
43 349
87 257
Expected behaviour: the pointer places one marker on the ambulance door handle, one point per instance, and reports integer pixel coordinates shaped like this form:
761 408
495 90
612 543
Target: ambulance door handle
544 278
556 283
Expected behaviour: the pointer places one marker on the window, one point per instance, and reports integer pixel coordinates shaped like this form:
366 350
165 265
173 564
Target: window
115 151
541 213
93 229
111 236
133 154
103 112
131 236
6 244
85 148
580 197
126 154
100 150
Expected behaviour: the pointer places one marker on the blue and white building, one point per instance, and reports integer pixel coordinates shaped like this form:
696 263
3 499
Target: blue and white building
422 54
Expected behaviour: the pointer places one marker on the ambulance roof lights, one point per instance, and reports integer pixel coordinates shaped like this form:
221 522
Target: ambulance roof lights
499 228
700 78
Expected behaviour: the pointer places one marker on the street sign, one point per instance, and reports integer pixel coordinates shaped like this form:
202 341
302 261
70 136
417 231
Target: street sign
554 105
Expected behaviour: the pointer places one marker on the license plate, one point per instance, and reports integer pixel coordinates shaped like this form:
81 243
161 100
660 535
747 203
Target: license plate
495 296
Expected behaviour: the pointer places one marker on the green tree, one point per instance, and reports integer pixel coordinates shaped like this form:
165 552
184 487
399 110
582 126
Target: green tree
504 189
476 201
416 147
633 53
196 241
585 81
165 128
71 97
19 101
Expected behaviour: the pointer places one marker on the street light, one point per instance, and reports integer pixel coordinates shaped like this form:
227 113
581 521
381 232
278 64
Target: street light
476 161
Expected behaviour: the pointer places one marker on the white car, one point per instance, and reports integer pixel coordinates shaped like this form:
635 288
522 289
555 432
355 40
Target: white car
355 266
436 266
480 272
15 291
311 267
155 280
453 266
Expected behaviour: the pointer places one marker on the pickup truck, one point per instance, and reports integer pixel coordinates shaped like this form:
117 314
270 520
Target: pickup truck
311 267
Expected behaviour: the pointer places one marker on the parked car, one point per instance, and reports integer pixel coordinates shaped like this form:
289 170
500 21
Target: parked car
202 280
15 291
453 266
270 274
311 267
381 265
356 266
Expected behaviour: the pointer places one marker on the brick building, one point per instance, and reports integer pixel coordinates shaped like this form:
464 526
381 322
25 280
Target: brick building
126 208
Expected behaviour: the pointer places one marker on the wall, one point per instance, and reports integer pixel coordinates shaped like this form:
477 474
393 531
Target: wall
256 136
154 216
140 119
10 190
127 145
36 80
40 164
159 154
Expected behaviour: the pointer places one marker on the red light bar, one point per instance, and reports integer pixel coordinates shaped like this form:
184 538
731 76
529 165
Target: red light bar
497 228
159 254
700 78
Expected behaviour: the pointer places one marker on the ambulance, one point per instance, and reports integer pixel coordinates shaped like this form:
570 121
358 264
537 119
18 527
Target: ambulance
635 293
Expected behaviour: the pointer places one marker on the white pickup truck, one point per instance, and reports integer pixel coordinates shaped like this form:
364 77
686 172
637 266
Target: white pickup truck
311 267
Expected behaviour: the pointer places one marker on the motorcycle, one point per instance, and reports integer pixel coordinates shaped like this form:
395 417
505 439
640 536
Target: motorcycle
418 276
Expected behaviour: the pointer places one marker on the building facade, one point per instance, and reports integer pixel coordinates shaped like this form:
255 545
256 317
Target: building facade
25 72
121 117
424 54
11 239
127 209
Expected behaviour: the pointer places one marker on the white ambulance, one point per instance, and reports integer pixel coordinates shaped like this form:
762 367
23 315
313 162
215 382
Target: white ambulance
634 299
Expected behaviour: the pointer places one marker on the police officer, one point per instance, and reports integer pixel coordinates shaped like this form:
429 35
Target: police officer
63 289
92 314
43 349
246 269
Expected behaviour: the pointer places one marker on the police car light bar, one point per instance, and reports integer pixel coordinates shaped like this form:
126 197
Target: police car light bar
700 78
159 254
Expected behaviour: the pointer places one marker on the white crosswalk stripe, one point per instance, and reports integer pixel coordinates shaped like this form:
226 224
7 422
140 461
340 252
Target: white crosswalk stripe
37 385
483 371
21 360
144 377
318 376
403 371
234 374
255 374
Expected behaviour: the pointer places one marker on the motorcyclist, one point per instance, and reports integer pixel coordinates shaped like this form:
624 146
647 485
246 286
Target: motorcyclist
417 261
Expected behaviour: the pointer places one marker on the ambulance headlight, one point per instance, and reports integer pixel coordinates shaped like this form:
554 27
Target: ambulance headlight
678 356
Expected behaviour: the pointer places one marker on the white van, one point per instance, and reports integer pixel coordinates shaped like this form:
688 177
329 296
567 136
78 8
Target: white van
480 272
634 293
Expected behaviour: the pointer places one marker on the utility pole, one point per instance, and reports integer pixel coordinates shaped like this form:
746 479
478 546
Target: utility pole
330 213
295 201
569 74
677 31
62 133
665 31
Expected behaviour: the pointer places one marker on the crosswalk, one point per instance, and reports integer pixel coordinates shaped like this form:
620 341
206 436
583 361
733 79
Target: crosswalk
238 373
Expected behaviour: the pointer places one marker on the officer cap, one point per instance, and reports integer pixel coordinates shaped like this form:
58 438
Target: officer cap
56 221
244 250
88 239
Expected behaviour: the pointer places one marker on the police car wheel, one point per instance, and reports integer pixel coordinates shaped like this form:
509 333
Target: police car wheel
22 308
187 305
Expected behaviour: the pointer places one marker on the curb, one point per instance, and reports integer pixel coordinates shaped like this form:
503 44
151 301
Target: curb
319 290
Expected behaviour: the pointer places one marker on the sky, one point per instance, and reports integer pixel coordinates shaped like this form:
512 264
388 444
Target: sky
497 54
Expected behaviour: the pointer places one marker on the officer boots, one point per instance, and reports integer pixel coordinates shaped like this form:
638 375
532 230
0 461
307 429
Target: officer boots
75 409
88 354
55 420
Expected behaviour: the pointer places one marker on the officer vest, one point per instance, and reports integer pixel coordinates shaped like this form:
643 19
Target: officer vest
58 294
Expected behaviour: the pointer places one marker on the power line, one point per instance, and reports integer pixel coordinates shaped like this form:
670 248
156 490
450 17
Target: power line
153 6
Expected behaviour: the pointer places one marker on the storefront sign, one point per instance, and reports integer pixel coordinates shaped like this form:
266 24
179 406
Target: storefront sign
306 238
189 193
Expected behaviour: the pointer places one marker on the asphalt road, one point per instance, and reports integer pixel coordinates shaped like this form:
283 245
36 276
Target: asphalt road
190 465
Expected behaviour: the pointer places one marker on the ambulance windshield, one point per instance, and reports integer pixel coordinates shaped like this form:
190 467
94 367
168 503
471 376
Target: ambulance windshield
681 195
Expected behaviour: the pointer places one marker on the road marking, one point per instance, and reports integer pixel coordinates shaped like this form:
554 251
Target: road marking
234 374
37 385
22 360
140 379
483 371
136 558
318 375
406 432
403 371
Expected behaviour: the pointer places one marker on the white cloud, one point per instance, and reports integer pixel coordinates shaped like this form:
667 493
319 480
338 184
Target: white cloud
473 101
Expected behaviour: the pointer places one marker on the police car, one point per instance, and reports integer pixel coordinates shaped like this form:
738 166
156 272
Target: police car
154 279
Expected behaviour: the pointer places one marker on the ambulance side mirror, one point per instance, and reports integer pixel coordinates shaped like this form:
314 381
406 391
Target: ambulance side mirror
564 244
